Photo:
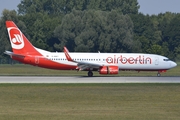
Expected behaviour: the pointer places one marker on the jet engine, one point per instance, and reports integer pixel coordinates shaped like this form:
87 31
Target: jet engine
109 70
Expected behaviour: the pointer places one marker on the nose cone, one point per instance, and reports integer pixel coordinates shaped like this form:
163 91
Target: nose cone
173 64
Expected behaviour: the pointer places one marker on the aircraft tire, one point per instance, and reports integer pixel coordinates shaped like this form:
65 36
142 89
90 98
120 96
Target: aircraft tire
158 75
90 74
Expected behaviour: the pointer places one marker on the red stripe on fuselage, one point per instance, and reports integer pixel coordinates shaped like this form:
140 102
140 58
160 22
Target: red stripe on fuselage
43 62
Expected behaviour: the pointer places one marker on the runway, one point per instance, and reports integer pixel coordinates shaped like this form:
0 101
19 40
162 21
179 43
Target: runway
77 79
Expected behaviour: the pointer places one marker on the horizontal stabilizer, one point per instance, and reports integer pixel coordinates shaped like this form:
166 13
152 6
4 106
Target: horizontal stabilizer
13 54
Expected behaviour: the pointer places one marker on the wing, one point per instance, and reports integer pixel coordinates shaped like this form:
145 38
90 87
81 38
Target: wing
81 65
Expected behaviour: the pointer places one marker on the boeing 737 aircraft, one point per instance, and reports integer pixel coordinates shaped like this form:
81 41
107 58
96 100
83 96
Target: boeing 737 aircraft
104 63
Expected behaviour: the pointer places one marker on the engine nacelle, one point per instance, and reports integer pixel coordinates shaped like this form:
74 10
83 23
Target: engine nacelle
109 70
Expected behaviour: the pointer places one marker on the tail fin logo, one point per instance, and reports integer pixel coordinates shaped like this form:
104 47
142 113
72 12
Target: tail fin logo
16 38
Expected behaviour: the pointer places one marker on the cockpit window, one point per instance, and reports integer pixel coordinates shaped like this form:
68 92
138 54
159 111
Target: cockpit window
166 59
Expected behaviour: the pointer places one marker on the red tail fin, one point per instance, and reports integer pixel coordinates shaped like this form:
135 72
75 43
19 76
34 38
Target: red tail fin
19 43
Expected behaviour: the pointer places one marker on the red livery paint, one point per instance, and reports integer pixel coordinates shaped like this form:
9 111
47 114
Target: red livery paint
109 70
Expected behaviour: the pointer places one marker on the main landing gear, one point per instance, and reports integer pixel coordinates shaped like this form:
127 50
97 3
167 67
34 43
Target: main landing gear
90 74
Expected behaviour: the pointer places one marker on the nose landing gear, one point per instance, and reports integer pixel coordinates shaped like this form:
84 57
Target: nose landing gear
158 74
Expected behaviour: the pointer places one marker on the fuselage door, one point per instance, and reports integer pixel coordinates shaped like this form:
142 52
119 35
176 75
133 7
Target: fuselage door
36 60
156 60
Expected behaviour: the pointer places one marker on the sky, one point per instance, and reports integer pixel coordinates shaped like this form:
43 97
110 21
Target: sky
8 4
159 6
146 6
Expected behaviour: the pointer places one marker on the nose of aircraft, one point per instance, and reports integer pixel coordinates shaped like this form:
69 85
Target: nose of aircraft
173 64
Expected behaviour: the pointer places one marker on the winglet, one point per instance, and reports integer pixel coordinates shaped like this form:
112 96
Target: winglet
66 52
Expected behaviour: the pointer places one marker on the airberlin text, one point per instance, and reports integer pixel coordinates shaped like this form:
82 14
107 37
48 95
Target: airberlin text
129 60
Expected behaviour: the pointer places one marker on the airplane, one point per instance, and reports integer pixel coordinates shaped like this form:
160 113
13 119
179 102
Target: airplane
104 63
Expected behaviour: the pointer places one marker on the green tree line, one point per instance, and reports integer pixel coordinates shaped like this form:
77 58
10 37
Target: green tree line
93 25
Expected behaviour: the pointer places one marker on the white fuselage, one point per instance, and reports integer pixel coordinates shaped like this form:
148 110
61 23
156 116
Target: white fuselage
125 61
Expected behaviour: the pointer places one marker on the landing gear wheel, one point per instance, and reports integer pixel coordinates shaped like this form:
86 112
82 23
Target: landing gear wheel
159 75
90 74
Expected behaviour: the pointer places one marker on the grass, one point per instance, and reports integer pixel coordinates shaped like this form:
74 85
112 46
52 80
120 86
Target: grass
21 69
87 101
90 101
